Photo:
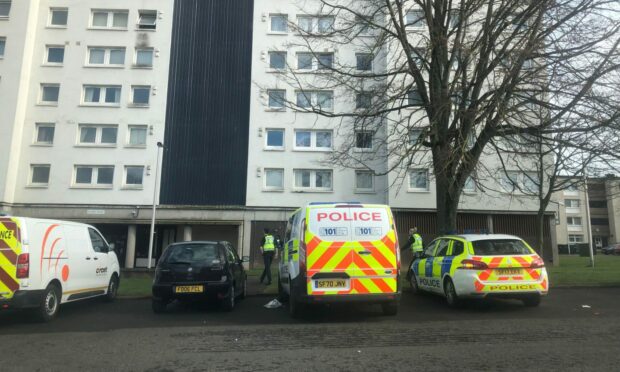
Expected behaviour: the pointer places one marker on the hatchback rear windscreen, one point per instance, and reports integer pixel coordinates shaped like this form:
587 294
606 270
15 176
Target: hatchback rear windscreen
190 253
500 247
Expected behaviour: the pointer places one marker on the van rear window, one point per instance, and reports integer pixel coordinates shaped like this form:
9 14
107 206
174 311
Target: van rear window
500 247
190 253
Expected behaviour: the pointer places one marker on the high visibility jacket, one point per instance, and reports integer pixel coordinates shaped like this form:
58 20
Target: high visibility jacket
269 245
416 246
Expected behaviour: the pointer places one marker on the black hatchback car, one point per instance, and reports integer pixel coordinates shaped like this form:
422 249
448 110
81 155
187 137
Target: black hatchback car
199 270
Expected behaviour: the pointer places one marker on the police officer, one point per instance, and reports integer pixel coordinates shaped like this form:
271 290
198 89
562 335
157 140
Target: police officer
414 242
268 249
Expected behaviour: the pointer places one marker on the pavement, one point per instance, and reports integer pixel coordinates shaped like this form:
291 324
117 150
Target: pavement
572 330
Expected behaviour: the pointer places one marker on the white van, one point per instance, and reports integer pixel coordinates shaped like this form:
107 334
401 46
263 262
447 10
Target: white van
44 263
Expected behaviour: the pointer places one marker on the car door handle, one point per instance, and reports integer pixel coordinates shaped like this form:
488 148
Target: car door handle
364 252
96 258
88 258
293 251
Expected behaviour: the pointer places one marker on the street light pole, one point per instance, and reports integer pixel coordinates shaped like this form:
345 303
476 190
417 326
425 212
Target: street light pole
589 221
152 236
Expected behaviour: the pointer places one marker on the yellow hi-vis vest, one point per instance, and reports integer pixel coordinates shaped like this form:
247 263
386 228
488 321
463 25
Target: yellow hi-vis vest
269 246
416 246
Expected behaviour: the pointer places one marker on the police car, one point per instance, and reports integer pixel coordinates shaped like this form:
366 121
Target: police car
480 266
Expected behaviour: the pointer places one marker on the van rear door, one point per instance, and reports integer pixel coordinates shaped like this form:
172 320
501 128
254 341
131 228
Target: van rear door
10 248
352 250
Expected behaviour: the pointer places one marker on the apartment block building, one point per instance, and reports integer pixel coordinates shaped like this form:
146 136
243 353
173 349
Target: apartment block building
90 87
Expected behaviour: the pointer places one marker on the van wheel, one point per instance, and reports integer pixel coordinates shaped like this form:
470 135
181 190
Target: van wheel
112 289
413 281
451 297
531 301
295 308
228 303
50 304
281 294
159 305
390 308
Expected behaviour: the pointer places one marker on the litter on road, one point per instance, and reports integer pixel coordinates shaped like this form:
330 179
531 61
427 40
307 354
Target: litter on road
273 304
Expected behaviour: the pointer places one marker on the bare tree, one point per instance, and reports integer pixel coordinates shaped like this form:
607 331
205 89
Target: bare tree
438 82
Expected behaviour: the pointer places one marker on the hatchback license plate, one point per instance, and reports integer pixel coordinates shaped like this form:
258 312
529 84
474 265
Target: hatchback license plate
188 289
509 272
330 283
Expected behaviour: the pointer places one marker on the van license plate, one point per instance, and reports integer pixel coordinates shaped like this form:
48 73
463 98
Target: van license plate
509 272
188 289
330 283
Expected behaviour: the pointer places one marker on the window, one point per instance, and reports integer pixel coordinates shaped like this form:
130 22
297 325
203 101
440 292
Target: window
88 175
325 61
2 46
39 174
363 140
320 100
274 179
5 8
54 54
575 238
310 179
106 56
44 134
418 180
277 98
278 23
364 27
572 203
137 135
363 100
97 134
415 18
102 95
319 25
134 176
99 244
144 57
414 98
572 188
415 135
277 60
49 94
147 19
308 62
364 181
457 248
304 61
364 61
470 184
140 95
325 24
510 180
115 19
600 221
58 17
274 139
313 140
573 221
530 182
598 203
442 248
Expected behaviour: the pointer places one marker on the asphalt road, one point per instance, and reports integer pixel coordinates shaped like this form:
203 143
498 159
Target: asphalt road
573 329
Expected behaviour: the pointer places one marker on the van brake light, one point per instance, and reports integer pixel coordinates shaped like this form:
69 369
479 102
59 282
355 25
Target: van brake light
302 247
537 263
23 266
473 265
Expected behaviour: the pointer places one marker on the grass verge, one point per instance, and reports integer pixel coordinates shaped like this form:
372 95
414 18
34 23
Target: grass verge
576 271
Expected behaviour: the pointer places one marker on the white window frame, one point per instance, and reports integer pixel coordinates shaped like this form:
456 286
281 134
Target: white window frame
48 103
569 203
510 184
275 148
422 130
132 186
315 64
129 130
273 188
37 127
314 24
470 190
418 189
147 27
276 108
94 176
51 15
98 135
312 186
359 172
47 55
135 58
110 21
415 26
372 62
102 94
106 57
273 15
576 238
273 52
570 221
31 183
363 27
372 141
313 146
3 41
10 6
370 95
314 100
140 104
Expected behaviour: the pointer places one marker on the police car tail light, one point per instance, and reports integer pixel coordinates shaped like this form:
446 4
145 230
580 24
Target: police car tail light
473 265
537 263
23 266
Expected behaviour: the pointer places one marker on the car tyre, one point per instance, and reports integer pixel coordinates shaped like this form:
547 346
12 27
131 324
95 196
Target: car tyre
531 301
159 305
281 294
244 289
295 307
390 308
50 304
228 303
451 297
112 289
413 282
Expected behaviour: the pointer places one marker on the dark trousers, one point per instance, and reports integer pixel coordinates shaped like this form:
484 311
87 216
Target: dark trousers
267 258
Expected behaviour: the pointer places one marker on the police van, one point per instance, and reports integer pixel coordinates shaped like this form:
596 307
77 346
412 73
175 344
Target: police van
44 263
479 266
340 252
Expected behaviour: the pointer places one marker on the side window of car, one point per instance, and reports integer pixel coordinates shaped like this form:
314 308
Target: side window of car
430 249
457 248
234 252
289 226
99 244
230 255
442 249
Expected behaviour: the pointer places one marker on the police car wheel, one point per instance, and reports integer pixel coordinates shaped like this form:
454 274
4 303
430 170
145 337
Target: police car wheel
229 301
50 304
451 298
112 289
413 281
531 301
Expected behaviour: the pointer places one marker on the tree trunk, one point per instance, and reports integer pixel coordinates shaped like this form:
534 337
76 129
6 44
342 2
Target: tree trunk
540 232
447 205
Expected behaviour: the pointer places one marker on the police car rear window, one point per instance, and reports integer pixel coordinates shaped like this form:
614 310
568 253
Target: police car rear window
500 247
